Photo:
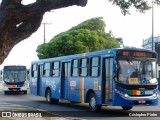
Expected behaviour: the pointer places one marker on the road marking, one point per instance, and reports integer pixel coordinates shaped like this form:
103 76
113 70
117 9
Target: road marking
9 106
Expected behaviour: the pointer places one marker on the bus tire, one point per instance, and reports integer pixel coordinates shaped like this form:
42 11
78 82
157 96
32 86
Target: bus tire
25 92
93 106
55 101
5 92
127 107
49 99
48 96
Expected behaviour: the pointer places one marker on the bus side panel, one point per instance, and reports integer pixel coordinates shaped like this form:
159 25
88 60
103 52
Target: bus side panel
33 86
74 85
54 85
80 86
93 84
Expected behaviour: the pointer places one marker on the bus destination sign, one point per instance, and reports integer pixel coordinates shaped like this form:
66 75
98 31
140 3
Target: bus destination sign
128 53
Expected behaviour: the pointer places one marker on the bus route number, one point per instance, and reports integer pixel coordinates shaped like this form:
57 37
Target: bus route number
148 92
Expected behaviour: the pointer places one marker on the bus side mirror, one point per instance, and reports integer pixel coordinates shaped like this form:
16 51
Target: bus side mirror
28 72
1 73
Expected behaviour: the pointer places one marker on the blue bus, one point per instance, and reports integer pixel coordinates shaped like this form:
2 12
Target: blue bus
14 79
118 77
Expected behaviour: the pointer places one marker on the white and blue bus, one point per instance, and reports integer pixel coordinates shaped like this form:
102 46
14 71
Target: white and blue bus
14 79
118 77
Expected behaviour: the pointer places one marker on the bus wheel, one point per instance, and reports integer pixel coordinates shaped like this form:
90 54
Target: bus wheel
25 92
93 106
5 92
48 96
49 99
127 107
55 101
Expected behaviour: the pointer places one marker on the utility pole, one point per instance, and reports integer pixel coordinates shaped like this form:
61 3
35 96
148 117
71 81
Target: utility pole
45 23
152 23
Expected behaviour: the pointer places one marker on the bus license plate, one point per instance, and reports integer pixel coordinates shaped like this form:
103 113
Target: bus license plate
141 101
14 89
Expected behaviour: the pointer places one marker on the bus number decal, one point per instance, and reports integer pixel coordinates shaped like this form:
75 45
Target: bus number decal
72 85
95 84
148 92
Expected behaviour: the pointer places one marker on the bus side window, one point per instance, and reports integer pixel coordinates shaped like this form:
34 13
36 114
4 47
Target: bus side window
95 66
34 70
46 71
55 71
75 66
84 67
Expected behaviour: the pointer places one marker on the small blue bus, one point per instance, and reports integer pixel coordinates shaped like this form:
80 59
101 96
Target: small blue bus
118 77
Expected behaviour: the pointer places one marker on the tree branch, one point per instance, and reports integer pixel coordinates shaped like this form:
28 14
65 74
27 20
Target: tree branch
20 21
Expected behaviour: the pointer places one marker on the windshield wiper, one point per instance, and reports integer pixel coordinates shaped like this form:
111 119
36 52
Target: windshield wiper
131 65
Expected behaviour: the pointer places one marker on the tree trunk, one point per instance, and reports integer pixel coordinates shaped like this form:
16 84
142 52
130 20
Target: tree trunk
19 21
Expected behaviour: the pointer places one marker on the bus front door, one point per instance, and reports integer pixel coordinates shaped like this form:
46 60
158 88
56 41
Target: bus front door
65 80
107 79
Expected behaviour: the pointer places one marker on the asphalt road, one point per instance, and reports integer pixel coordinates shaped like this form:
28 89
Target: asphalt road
81 111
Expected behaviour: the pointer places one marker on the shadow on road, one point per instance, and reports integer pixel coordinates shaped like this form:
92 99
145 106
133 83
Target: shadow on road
82 110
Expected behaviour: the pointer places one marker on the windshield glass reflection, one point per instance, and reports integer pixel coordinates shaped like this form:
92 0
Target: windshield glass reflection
136 72
14 76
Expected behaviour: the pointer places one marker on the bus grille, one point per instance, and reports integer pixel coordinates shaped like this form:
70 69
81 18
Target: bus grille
14 89
138 87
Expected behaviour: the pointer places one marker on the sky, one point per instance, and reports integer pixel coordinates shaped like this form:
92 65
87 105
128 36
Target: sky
131 28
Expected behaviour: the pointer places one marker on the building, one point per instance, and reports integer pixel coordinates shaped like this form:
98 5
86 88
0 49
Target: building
120 41
147 43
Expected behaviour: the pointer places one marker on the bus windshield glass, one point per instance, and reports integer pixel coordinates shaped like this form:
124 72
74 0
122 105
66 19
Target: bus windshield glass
14 76
136 72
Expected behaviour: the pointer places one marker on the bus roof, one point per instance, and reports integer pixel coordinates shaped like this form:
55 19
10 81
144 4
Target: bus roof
106 51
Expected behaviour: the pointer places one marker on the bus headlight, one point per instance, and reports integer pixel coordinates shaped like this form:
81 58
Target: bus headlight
117 91
126 95
121 93
154 95
24 84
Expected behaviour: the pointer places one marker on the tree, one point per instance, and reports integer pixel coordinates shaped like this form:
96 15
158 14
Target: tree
88 36
19 21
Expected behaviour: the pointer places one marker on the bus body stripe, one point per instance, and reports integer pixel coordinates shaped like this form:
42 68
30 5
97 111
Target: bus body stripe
134 92
82 89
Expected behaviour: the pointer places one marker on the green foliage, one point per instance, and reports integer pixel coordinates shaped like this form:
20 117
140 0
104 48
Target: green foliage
88 36
141 5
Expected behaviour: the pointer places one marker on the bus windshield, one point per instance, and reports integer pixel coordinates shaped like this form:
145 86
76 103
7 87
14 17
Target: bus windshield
14 76
136 72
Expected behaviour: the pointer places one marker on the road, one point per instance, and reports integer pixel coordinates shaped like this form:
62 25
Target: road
66 109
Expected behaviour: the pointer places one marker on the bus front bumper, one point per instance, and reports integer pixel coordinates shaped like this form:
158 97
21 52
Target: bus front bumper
124 100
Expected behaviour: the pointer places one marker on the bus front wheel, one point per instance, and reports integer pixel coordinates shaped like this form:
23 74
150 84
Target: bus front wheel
127 107
93 103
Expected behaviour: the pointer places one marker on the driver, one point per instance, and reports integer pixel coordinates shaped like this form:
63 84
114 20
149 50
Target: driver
134 74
